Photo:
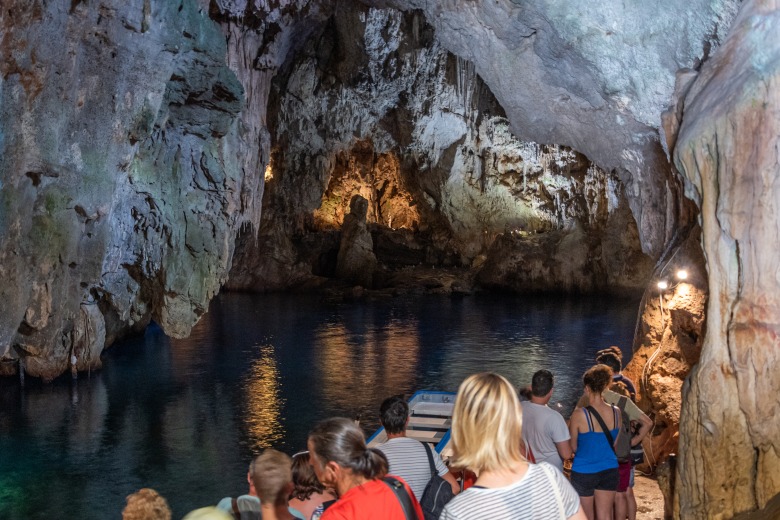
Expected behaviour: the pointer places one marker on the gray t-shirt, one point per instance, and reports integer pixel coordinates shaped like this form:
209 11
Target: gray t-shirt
409 461
542 428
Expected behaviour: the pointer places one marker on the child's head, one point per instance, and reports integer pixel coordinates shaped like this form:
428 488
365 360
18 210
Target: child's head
272 477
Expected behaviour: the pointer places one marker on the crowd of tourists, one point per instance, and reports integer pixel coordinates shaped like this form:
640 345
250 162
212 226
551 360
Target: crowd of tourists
510 461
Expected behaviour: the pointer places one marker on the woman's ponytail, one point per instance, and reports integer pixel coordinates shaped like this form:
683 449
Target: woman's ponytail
373 464
341 441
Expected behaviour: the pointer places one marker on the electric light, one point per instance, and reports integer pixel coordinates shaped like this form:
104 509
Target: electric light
682 274
663 285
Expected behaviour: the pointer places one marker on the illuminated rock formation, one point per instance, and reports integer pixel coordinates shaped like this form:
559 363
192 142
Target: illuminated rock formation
728 150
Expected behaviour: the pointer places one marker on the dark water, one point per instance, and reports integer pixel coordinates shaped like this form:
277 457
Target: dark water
185 416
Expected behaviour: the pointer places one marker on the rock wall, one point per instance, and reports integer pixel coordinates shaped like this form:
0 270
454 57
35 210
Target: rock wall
728 150
668 342
375 106
119 191
591 77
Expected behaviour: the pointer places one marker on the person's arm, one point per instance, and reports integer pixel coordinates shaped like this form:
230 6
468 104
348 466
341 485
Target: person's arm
449 477
443 471
559 433
645 423
564 449
574 428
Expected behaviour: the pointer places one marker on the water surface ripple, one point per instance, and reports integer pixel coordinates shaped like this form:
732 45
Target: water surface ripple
185 416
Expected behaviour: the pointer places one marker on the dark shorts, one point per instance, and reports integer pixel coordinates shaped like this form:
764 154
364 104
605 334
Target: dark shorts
624 476
585 483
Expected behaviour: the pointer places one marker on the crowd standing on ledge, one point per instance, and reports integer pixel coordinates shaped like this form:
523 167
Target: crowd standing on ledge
516 456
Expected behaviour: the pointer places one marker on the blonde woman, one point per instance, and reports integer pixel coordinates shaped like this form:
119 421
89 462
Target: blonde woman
486 438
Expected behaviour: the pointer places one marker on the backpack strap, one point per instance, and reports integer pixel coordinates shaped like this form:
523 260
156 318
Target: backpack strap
403 497
604 428
430 458
236 510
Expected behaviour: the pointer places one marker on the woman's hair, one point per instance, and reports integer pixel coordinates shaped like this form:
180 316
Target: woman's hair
486 424
304 479
598 378
146 504
339 440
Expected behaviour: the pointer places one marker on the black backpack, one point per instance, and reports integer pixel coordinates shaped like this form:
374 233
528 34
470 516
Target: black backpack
623 441
437 493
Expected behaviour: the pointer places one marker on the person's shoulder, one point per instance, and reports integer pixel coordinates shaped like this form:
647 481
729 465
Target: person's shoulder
545 467
462 503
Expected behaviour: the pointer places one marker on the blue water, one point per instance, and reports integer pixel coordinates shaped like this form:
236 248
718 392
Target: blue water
185 416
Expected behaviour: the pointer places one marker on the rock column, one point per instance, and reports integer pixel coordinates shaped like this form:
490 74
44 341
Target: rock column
729 151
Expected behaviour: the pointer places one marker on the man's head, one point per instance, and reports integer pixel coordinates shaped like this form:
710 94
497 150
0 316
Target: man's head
611 357
250 472
542 383
272 477
393 414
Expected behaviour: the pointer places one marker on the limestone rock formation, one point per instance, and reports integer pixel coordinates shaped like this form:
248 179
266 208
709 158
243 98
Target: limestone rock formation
668 341
356 261
602 257
120 195
598 75
728 150
395 118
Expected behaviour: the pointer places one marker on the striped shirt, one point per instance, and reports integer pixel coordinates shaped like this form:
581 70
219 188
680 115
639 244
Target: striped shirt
409 461
530 498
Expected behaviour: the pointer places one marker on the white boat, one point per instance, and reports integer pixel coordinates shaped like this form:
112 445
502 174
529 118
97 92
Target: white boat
430 420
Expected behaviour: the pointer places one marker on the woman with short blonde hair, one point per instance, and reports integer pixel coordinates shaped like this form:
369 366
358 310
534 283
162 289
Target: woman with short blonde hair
486 438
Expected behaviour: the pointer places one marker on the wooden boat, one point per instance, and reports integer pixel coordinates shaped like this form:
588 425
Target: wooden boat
430 420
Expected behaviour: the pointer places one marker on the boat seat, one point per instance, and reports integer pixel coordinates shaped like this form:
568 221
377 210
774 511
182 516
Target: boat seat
426 435
436 409
429 422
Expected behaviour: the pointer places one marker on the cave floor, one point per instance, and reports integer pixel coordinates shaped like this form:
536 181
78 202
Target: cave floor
650 501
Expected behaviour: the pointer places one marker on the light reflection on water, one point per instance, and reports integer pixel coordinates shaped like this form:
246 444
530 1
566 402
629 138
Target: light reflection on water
263 401
185 416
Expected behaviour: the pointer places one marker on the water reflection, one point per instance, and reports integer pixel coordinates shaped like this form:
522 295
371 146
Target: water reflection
264 405
185 416
356 367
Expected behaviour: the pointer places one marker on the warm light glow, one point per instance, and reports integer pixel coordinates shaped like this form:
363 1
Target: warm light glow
264 406
269 174
682 274
662 285
353 358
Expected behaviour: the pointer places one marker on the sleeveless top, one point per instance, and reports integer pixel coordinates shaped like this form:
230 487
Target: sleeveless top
594 453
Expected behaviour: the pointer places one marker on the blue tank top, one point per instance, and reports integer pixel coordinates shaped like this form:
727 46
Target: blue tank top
594 453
